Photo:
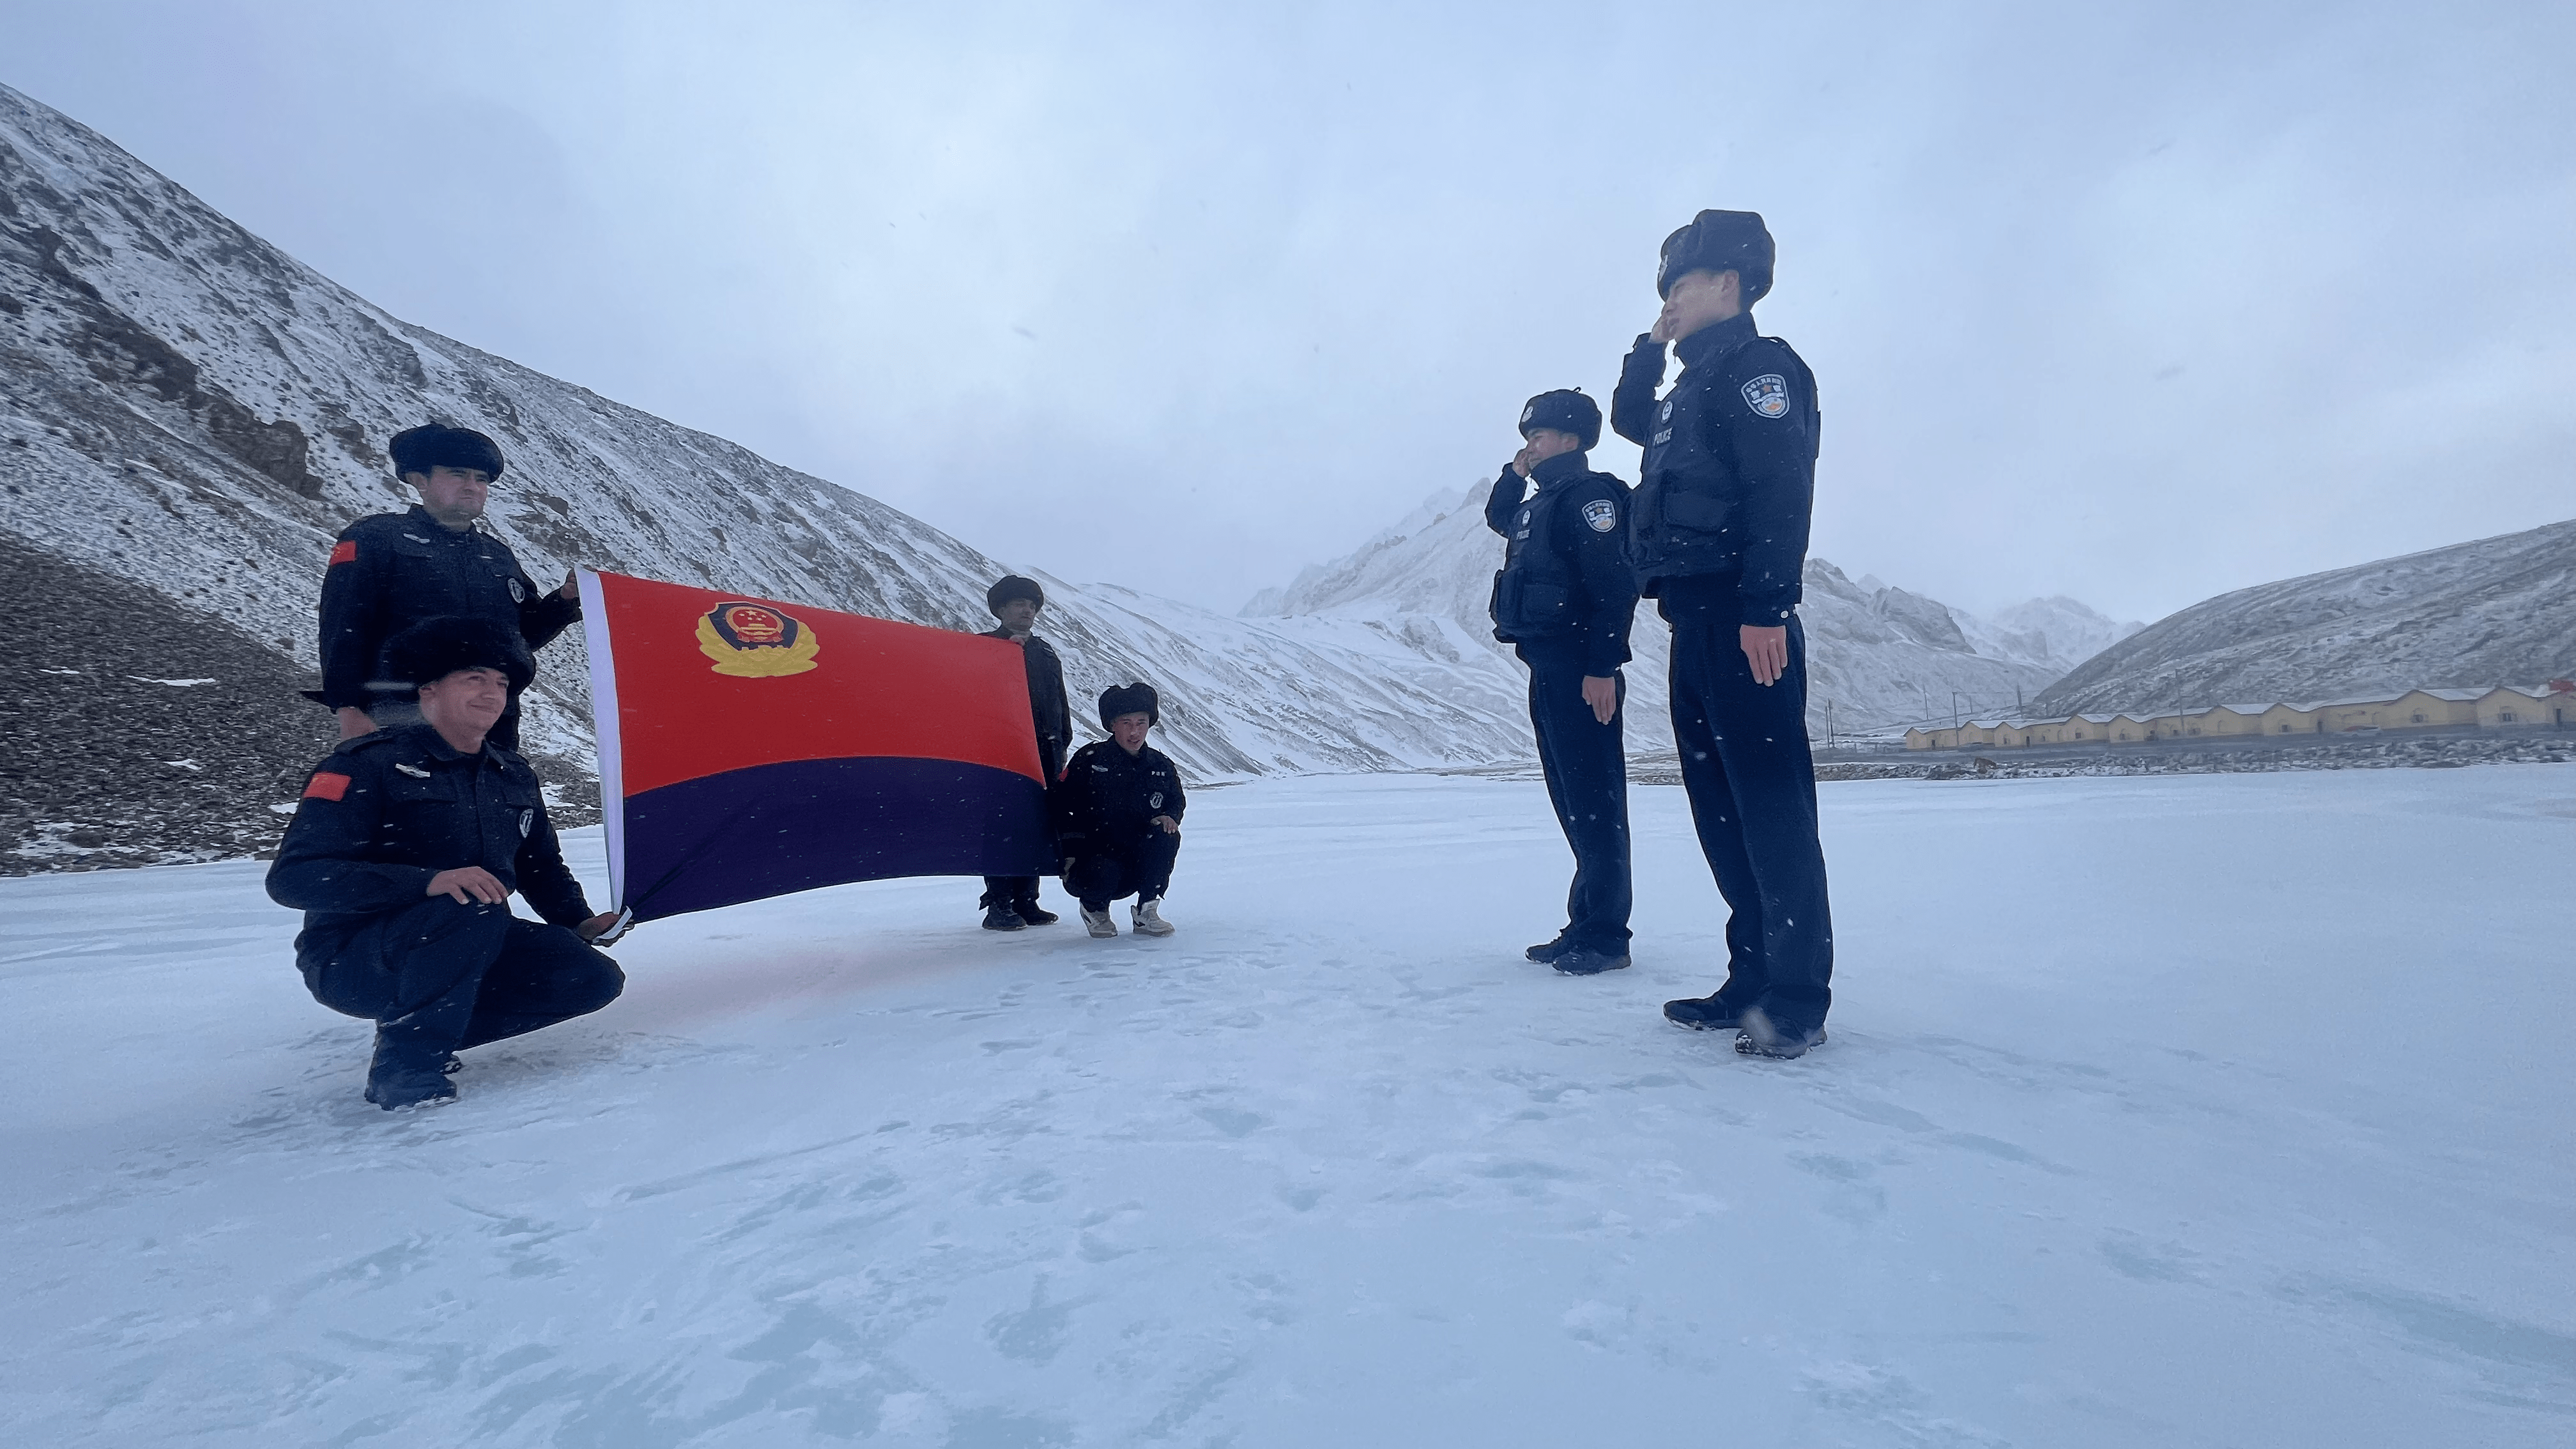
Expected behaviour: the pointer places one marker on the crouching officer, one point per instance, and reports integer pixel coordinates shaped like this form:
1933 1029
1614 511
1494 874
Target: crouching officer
403 855
1720 541
1563 601
392 570
1011 902
1118 816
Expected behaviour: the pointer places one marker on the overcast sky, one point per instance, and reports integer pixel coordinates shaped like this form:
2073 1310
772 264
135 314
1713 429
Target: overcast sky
2133 303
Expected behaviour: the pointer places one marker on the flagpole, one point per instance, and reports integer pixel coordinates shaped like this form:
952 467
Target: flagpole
603 728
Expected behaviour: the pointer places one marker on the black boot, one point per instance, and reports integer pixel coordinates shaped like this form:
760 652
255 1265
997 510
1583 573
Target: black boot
1763 1037
1546 952
1704 1013
1585 961
1003 918
403 1075
1031 913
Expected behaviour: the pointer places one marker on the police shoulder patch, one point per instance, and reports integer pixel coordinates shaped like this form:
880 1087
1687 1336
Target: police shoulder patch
1602 514
1768 395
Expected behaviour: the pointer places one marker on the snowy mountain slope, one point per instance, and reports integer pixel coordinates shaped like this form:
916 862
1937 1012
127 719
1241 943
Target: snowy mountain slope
1879 656
2495 610
1334 1167
185 408
2056 633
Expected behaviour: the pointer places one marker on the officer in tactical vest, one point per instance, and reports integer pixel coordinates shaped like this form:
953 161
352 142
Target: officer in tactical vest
391 570
1720 543
1563 601
403 856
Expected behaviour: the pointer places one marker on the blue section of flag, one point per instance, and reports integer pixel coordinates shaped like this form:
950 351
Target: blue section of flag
771 829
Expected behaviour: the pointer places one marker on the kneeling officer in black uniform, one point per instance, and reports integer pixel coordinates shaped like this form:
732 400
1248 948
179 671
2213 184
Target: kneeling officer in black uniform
1720 539
1563 601
402 856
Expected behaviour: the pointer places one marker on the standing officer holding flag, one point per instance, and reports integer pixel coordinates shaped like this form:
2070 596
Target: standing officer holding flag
1723 503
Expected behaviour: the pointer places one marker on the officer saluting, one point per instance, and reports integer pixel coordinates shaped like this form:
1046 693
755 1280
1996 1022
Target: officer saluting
403 855
392 570
1720 541
1563 601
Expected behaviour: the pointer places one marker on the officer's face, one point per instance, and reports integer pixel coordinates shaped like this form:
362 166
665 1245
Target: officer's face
1018 615
1129 730
1697 300
1546 443
453 496
467 703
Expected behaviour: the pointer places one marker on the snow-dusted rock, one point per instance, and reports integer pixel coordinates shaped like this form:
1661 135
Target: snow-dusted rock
2496 610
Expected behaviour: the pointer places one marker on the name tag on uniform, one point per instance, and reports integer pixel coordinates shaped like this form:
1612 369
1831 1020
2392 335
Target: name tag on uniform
415 771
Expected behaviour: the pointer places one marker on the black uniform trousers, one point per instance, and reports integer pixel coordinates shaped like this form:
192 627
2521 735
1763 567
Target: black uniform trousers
1752 787
1019 890
1104 871
439 977
1586 764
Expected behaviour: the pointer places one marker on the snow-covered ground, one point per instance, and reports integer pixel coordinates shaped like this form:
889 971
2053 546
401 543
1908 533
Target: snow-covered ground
2220 1110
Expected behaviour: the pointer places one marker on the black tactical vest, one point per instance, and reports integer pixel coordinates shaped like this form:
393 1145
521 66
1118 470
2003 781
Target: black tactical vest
1535 591
1687 490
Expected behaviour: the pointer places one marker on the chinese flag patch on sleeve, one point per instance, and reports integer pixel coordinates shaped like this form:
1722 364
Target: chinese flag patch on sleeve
345 551
328 785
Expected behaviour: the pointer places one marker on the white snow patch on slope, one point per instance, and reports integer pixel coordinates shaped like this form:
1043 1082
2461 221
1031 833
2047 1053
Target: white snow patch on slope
2137 1129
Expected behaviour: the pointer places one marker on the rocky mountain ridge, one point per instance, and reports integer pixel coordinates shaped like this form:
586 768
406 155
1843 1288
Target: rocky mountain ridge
2490 611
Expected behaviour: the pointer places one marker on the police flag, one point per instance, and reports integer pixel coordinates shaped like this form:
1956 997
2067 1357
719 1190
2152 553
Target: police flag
749 748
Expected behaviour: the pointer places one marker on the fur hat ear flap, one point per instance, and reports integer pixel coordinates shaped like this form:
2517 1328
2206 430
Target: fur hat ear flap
1121 699
436 648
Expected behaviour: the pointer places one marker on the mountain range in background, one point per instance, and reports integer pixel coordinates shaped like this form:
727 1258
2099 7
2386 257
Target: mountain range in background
188 416
1879 658
2492 611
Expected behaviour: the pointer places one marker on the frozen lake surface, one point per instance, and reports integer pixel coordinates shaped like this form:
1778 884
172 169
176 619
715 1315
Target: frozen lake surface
2174 1111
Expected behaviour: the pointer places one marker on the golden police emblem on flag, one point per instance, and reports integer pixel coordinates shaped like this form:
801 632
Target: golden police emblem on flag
756 641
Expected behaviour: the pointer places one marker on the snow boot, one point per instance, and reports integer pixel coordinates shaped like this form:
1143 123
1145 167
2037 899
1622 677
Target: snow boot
1546 952
1703 1013
404 1076
1763 1037
1003 918
1031 913
1585 961
1148 916
1098 923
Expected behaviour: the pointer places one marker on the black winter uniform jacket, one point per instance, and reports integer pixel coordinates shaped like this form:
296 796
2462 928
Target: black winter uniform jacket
1108 798
391 570
1049 707
1729 477
1565 583
389 810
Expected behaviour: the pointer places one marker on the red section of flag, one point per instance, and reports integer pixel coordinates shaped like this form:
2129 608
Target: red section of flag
328 785
345 551
874 688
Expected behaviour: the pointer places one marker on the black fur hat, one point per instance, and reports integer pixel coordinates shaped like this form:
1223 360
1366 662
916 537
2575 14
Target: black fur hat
1568 411
1013 586
436 648
435 445
1120 699
1720 241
